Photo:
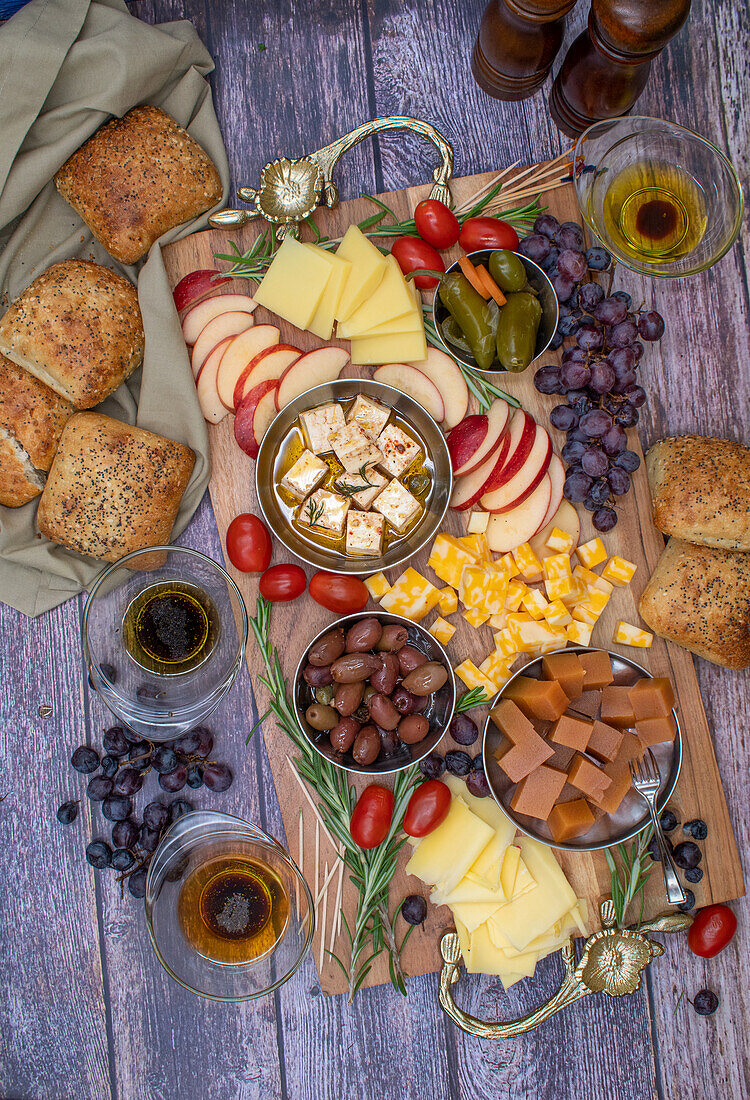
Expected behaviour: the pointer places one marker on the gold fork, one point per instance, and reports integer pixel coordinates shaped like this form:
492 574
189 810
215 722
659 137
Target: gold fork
647 781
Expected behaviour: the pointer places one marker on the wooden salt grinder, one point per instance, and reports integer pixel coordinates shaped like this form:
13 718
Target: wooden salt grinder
607 66
517 42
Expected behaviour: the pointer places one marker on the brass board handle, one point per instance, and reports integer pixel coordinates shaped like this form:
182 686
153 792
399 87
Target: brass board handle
290 190
612 962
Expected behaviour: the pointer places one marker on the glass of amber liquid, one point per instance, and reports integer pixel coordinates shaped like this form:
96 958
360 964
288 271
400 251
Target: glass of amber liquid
228 912
661 199
164 635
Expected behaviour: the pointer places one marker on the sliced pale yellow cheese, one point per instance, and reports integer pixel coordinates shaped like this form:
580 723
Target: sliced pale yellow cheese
294 283
488 863
509 869
532 914
524 882
485 808
392 299
443 857
403 347
321 323
463 940
470 889
484 958
368 269
473 913
410 322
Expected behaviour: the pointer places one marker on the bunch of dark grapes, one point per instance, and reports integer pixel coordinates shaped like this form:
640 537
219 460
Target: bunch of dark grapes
598 375
119 773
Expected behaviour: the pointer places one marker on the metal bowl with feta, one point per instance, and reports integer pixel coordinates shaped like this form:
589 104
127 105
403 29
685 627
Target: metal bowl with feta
354 476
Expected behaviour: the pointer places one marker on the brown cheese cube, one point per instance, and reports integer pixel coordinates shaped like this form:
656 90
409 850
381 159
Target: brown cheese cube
567 669
653 731
527 750
652 698
588 704
620 782
630 749
570 819
536 794
571 731
617 710
543 699
597 669
589 779
604 742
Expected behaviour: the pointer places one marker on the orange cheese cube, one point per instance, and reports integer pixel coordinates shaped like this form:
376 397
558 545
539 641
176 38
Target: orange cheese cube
626 634
557 614
589 609
505 644
578 633
509 564
516 592
619 571
442 630
377 585
530 636
579 592
475 617
411 596
591 580
448 602
534 602
497 668
499 621
528 563
478 545
559 541
470 675
448 558
591 553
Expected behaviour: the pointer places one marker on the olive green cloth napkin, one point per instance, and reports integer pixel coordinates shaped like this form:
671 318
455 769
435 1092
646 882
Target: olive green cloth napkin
66 66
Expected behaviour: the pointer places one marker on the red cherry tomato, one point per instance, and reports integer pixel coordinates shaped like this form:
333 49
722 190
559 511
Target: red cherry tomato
712 930
372 816
249 544
478 233
436 223
428 807
412 254
282 583
338 592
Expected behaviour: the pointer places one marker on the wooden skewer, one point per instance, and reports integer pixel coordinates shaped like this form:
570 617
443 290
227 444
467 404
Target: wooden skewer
300 856
323 925
468 203
550 168
336 922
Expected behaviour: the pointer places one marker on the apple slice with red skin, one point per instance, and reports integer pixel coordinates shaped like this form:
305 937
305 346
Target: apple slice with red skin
310 370
267 364
469 489
476 437
567 519
445 374
514 489
556 474
507 530
196 319
242 351
411 381
217 329
196 285
205 385
246 413
265 414
215 354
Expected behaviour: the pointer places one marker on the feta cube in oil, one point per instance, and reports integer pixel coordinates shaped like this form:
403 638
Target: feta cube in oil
325 512
305 475
398 506
317 425
354 448
369 414
364 533
362 487
399 450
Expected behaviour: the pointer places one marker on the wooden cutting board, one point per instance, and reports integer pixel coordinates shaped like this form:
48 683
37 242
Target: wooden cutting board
699 792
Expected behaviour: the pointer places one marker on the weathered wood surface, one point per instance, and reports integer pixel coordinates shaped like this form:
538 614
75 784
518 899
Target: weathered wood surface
86 1010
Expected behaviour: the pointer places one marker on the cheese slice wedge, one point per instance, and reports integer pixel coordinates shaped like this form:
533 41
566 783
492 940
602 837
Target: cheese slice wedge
321 323
509 870
294 283
533 913
392 299
368 269
443 857
473 913
485 958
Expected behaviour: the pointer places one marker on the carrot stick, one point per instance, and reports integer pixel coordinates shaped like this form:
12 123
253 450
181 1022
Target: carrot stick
471 274
490 285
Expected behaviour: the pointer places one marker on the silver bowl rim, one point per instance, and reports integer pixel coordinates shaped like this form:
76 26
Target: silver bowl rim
664 795
369 565
345 621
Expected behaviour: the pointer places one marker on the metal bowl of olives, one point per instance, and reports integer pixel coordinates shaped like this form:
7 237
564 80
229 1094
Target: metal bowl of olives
374 693
497 328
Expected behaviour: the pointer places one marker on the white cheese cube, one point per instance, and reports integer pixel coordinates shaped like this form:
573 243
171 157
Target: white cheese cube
369 414
398 506
399 450
354 448
362 487
364 533
317 425
325 512
305 475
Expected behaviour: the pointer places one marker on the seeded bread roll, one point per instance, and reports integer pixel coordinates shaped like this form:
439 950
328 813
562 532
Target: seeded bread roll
113 488
19 481
136 178
78 329
700 490
699 597
32 413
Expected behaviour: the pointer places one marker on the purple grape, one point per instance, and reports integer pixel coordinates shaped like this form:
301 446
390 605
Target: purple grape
156 816
217 777
604 519
173 781
621 359
99 854
595 423
651 325
590 295
550 264
577 486
476 784
563 417
602 376
148 838
623 296
628 460
624 381
99 788
570 235
178 809
600 492
124 833
575 435
572 302
624 334
611 311
414 909
85 760
547 379
187 743
205 741
556 341
614 441
574 375
598 258
638 351
594 462
115 742
572 264
573 452
573 355
563 287
619 481
109 766
547 225
432 766
568 326
463 730
536 247
117 807
67 812
122 859
589 337
635 395
128 781
164 759
627 416
137 882
195 775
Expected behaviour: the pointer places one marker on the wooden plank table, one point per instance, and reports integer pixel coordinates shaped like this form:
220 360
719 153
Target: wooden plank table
87 1011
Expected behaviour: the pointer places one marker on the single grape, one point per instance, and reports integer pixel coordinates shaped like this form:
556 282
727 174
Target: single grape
595 423
628 460
590 504
577 486
99 854
476 784
124 833
604 519
574 355
598 258
614 441
602 376
463 730
574 375
705 1002
573 451
549 266
67 813
477 764
99 788
433 766
600 492
572 303
148 838
595 462
611 311
217 777
619 481
547 225
175 780
635 395
556 341
563 417
458 762
563 286
115 742
178 809
85 760
694 874
547 379
572 263
205 741
589 296
638 350
696 828
414 908
187 744
688 903
623 296
668 821
568 326
582 405
589 337
156 816
627 415
117 807
624 334
651 325
577 436
122 859
195 776
621 360
536 247
164 759
109 767
570 235
137 882
128 781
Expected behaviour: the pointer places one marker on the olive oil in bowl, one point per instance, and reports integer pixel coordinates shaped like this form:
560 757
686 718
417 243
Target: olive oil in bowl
171 628
654 212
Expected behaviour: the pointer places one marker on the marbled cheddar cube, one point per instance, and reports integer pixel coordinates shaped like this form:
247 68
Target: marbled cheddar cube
604 742
627 634
472 585
448 602
525 749
442 630
448 559
475 616
590 608
496 668
591 580
469 674
619 571
557 614
411 596
616 706
578 633
478 522
587 777
578 592
542 699
499 621
478 545
508 562
560 542
569 820
531 636
515 594
528 563
504 643
567 669
591 553
377 585
534 602
572 732
597 669
537 793
651 698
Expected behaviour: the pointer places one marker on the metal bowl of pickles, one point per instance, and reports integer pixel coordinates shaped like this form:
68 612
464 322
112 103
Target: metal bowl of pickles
485 336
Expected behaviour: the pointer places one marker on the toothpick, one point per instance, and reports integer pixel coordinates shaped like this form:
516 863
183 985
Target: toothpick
328 875
335 923
323 925
317 854
313 807
473 199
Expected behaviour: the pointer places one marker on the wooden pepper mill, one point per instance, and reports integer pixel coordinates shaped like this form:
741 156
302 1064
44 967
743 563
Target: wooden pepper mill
607 67
517 42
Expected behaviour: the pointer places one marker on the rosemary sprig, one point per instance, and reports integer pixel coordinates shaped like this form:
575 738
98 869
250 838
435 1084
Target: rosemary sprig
313 510
371 871
630 878
471 699
350 490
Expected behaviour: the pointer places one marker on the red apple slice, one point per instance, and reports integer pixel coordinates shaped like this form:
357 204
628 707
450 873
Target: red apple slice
512 490
242 351
310 370
217 329
520 438
465 435
265 414
205 385
469 489
215 354
196 319
566 518
512 528
411 381
445 373
196 285
556 473
267 365
246 414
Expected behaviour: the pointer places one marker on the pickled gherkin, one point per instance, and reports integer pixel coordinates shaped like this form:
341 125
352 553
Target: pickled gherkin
472 314
507 269
517 331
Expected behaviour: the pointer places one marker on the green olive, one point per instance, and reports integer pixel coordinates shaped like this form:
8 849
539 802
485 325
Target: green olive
517 331
507 269
324 695
472 314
